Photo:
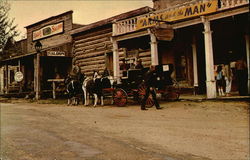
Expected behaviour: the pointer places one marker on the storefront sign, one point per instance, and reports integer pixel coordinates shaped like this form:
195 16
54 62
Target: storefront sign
198 9
164 34
48 31
55 53
18 76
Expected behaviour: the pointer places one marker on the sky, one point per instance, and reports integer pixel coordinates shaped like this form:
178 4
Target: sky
84 11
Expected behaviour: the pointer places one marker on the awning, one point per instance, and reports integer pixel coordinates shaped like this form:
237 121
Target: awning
17 57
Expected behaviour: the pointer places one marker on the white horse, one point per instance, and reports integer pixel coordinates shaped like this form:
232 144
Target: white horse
94 87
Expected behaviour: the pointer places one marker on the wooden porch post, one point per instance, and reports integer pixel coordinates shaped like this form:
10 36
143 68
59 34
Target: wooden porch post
210 82
116 60
195 69
248 61
154 49
37 86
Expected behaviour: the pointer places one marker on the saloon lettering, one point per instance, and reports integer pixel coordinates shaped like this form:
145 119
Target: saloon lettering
55 53
178 14
48 31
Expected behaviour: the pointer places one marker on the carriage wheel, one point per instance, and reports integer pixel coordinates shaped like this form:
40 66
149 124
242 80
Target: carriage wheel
120 97
141 93
172 92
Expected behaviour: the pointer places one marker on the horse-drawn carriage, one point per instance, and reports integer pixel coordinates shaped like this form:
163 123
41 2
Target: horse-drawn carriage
133 86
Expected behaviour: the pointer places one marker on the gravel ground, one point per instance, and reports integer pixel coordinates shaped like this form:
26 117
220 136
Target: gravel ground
212 130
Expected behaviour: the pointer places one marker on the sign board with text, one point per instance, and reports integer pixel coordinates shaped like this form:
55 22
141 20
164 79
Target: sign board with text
56 53
48 31
163 32
193 10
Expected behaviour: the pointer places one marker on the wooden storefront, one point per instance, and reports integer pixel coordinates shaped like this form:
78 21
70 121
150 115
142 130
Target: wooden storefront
193 50
53 60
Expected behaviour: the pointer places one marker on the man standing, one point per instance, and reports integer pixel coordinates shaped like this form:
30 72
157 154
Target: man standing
139 64
149 81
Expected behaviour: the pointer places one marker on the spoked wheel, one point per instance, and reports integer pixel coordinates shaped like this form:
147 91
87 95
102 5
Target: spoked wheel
141 93
172 94
120 97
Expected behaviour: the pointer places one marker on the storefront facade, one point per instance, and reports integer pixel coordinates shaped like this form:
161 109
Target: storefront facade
52 60
194 36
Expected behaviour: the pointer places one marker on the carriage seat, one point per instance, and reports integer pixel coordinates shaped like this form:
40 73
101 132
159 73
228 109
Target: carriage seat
134 74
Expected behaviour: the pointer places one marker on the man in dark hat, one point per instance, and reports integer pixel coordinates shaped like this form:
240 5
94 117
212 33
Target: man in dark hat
149 81
139 64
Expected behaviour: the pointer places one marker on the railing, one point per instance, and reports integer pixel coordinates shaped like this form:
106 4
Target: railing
129 25
225 4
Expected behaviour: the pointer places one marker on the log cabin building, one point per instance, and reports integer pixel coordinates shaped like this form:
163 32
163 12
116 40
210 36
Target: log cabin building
193 35
92 44
38 66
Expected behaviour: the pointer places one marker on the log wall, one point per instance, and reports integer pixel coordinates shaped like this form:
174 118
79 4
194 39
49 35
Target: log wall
145 56
90 49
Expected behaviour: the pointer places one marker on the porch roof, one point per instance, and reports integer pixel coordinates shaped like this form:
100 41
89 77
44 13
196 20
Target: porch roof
17 57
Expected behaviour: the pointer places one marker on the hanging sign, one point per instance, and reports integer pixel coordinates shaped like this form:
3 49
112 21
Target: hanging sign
197 9
55 53
163 33
47 31
18 76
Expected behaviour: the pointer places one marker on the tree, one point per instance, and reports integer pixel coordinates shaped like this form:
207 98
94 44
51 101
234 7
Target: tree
7 28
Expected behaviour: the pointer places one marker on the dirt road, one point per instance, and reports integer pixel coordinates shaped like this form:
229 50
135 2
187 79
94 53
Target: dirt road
181 131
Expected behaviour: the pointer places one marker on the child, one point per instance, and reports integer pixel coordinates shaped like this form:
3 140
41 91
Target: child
220 80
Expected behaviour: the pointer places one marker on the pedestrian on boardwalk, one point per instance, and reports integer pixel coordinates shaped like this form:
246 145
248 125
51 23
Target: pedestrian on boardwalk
220 80
149 81
228 78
